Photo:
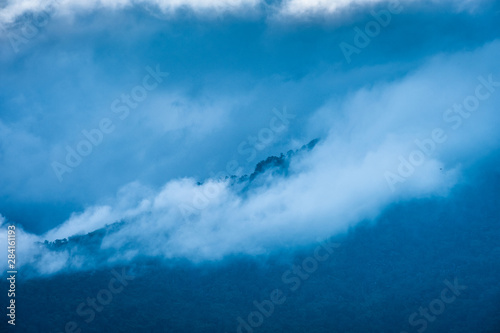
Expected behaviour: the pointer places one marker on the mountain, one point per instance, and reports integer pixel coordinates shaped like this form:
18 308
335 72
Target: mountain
380 277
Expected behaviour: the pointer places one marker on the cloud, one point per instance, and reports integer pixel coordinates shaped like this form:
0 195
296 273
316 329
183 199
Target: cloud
304 7
307 7
226 77
338 184
13 9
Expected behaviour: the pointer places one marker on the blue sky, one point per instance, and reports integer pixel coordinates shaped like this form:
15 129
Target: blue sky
232 67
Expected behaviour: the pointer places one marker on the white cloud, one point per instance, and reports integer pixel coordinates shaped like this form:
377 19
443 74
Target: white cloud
338 184
16 8
301 8
304 7
297 8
